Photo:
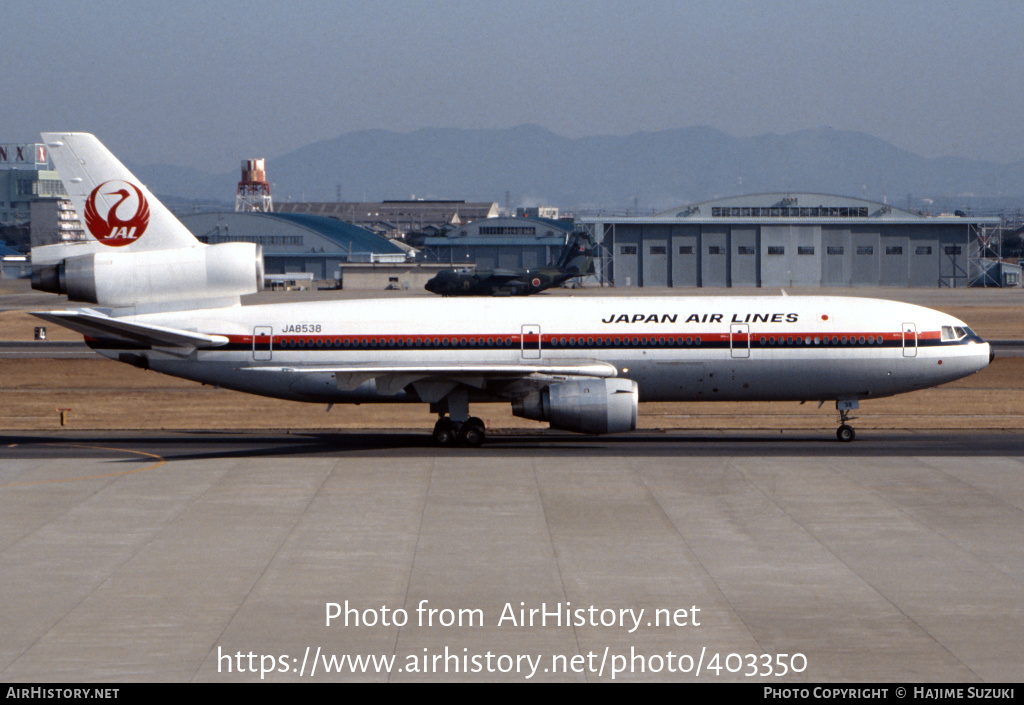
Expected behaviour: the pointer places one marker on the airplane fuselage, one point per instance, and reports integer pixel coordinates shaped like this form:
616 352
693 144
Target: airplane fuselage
675 348
452 283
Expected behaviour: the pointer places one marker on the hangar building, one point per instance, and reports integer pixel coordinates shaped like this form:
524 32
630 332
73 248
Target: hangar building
500 243
296 242
791 239
396 217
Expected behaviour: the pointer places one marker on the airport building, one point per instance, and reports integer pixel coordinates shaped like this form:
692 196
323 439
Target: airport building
298 243
791 239
397 217
25 176
499 243
54 220
13 264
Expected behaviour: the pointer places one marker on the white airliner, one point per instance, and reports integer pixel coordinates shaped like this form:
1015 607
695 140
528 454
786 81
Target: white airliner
166 302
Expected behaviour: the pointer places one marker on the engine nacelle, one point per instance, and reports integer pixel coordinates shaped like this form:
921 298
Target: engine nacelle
119 279
585 406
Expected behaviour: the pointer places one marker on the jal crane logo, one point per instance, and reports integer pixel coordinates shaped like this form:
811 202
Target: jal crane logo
112 227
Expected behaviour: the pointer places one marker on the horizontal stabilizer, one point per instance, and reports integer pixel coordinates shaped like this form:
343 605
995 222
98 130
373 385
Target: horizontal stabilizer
95 325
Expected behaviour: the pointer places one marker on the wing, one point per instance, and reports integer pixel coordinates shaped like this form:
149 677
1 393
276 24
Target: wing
95 325
503 275
432 382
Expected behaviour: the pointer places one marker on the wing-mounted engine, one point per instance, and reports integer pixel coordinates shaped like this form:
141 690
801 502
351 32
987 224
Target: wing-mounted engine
119 278
585 406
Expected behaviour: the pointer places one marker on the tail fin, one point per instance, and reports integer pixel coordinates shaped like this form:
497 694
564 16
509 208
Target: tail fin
138 256
116 210
578 255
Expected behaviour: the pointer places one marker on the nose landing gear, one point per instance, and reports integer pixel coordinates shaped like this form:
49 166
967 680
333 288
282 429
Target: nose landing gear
845 432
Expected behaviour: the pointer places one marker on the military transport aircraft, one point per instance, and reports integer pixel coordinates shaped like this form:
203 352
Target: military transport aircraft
162 300
575 260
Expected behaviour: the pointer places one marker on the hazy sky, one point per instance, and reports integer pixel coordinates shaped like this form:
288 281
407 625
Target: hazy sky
209 83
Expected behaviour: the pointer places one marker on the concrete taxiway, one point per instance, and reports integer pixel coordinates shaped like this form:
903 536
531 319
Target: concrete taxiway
213 557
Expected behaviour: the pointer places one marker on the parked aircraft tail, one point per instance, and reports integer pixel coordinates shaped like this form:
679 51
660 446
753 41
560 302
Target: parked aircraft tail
578 255
136 252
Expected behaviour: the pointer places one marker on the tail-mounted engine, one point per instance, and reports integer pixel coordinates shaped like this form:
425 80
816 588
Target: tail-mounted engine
585 406
118 279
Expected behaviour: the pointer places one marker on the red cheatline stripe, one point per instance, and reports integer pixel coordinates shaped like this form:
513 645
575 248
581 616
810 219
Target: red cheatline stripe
465 339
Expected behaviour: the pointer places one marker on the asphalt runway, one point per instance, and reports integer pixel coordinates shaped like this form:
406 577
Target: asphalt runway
219 557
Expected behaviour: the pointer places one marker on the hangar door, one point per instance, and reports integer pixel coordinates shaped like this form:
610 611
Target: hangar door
686 256
656 240
714 265
746 257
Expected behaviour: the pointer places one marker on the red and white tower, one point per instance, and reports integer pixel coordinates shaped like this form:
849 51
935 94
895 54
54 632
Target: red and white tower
253 190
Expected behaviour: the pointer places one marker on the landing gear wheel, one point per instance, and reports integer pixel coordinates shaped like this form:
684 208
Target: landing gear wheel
444 432
471 435
846 433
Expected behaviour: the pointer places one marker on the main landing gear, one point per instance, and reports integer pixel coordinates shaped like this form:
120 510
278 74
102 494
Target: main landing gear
454 424
845 432
470 432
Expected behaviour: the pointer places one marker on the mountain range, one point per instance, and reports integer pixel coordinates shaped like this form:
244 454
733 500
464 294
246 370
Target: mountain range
646 171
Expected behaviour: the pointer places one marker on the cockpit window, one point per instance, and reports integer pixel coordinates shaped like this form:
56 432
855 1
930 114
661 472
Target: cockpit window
956 332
